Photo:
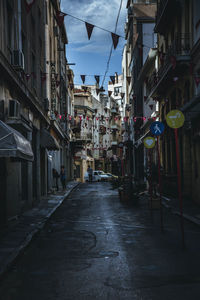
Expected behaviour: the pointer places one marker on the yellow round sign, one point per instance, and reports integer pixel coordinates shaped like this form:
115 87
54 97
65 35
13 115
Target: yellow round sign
175 118
149 142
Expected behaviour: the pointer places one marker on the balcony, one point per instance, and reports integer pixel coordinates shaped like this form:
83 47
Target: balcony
114 143
114 110
165 11
87 137
174 64
115 127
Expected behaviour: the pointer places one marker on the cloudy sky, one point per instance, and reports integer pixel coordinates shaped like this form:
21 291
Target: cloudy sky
91 56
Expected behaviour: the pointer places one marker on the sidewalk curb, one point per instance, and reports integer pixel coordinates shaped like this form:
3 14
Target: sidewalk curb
176 212
29 237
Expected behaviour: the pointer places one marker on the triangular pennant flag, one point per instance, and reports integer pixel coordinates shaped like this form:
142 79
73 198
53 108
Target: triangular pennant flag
28 76
146 79
71 86
109 93
115 39
97 91
122 95
23 74
173 61
89 28
97 78
128 78
112 78
33 74
43 77
197 80
175 79
151 106
161 57
57 83
28 5
83 78
102 89
60 18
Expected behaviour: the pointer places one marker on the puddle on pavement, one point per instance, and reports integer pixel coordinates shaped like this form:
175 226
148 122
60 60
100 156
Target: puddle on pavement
103 254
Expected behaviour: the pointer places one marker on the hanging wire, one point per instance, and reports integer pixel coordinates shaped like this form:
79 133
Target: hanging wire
96 25
111 49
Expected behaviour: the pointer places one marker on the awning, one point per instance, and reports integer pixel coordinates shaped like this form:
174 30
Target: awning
14 144
48 141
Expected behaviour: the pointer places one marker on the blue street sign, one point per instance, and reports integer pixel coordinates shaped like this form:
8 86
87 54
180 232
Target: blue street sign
157 128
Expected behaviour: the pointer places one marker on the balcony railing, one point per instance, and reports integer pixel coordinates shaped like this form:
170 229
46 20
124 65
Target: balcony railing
179 50
144 1
84 137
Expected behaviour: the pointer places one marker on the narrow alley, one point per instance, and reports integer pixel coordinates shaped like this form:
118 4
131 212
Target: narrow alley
96 247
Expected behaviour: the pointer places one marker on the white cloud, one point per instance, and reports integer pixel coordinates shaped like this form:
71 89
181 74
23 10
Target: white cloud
100 13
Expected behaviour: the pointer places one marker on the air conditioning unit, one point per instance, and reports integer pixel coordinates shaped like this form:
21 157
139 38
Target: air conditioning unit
14 109
46 104
17 59
2 110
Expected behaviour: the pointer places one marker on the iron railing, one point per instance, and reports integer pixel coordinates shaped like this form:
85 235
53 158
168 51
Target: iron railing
179 49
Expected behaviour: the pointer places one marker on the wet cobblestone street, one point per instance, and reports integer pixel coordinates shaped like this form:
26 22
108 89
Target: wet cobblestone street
95 247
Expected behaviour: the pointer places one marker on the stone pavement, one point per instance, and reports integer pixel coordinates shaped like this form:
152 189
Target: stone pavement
19 233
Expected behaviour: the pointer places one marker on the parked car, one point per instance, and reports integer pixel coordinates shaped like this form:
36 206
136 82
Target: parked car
95 176
111 176
103 176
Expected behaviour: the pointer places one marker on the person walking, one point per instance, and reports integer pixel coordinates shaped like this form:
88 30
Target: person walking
55 178
90 173
63 177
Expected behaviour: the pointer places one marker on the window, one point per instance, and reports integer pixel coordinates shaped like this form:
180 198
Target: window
117 90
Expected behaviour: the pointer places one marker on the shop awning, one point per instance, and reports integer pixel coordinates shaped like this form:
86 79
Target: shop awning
14 144
48 141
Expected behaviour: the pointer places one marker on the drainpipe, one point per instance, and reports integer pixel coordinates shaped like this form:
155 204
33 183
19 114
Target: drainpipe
46 54
19 27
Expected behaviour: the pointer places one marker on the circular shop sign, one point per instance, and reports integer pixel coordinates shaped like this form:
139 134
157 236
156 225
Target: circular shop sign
175 118
149 142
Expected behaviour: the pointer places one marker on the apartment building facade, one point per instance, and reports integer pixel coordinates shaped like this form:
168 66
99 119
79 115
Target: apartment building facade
26 103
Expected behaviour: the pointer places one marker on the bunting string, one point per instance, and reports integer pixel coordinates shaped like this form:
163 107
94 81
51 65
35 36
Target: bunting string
95 25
